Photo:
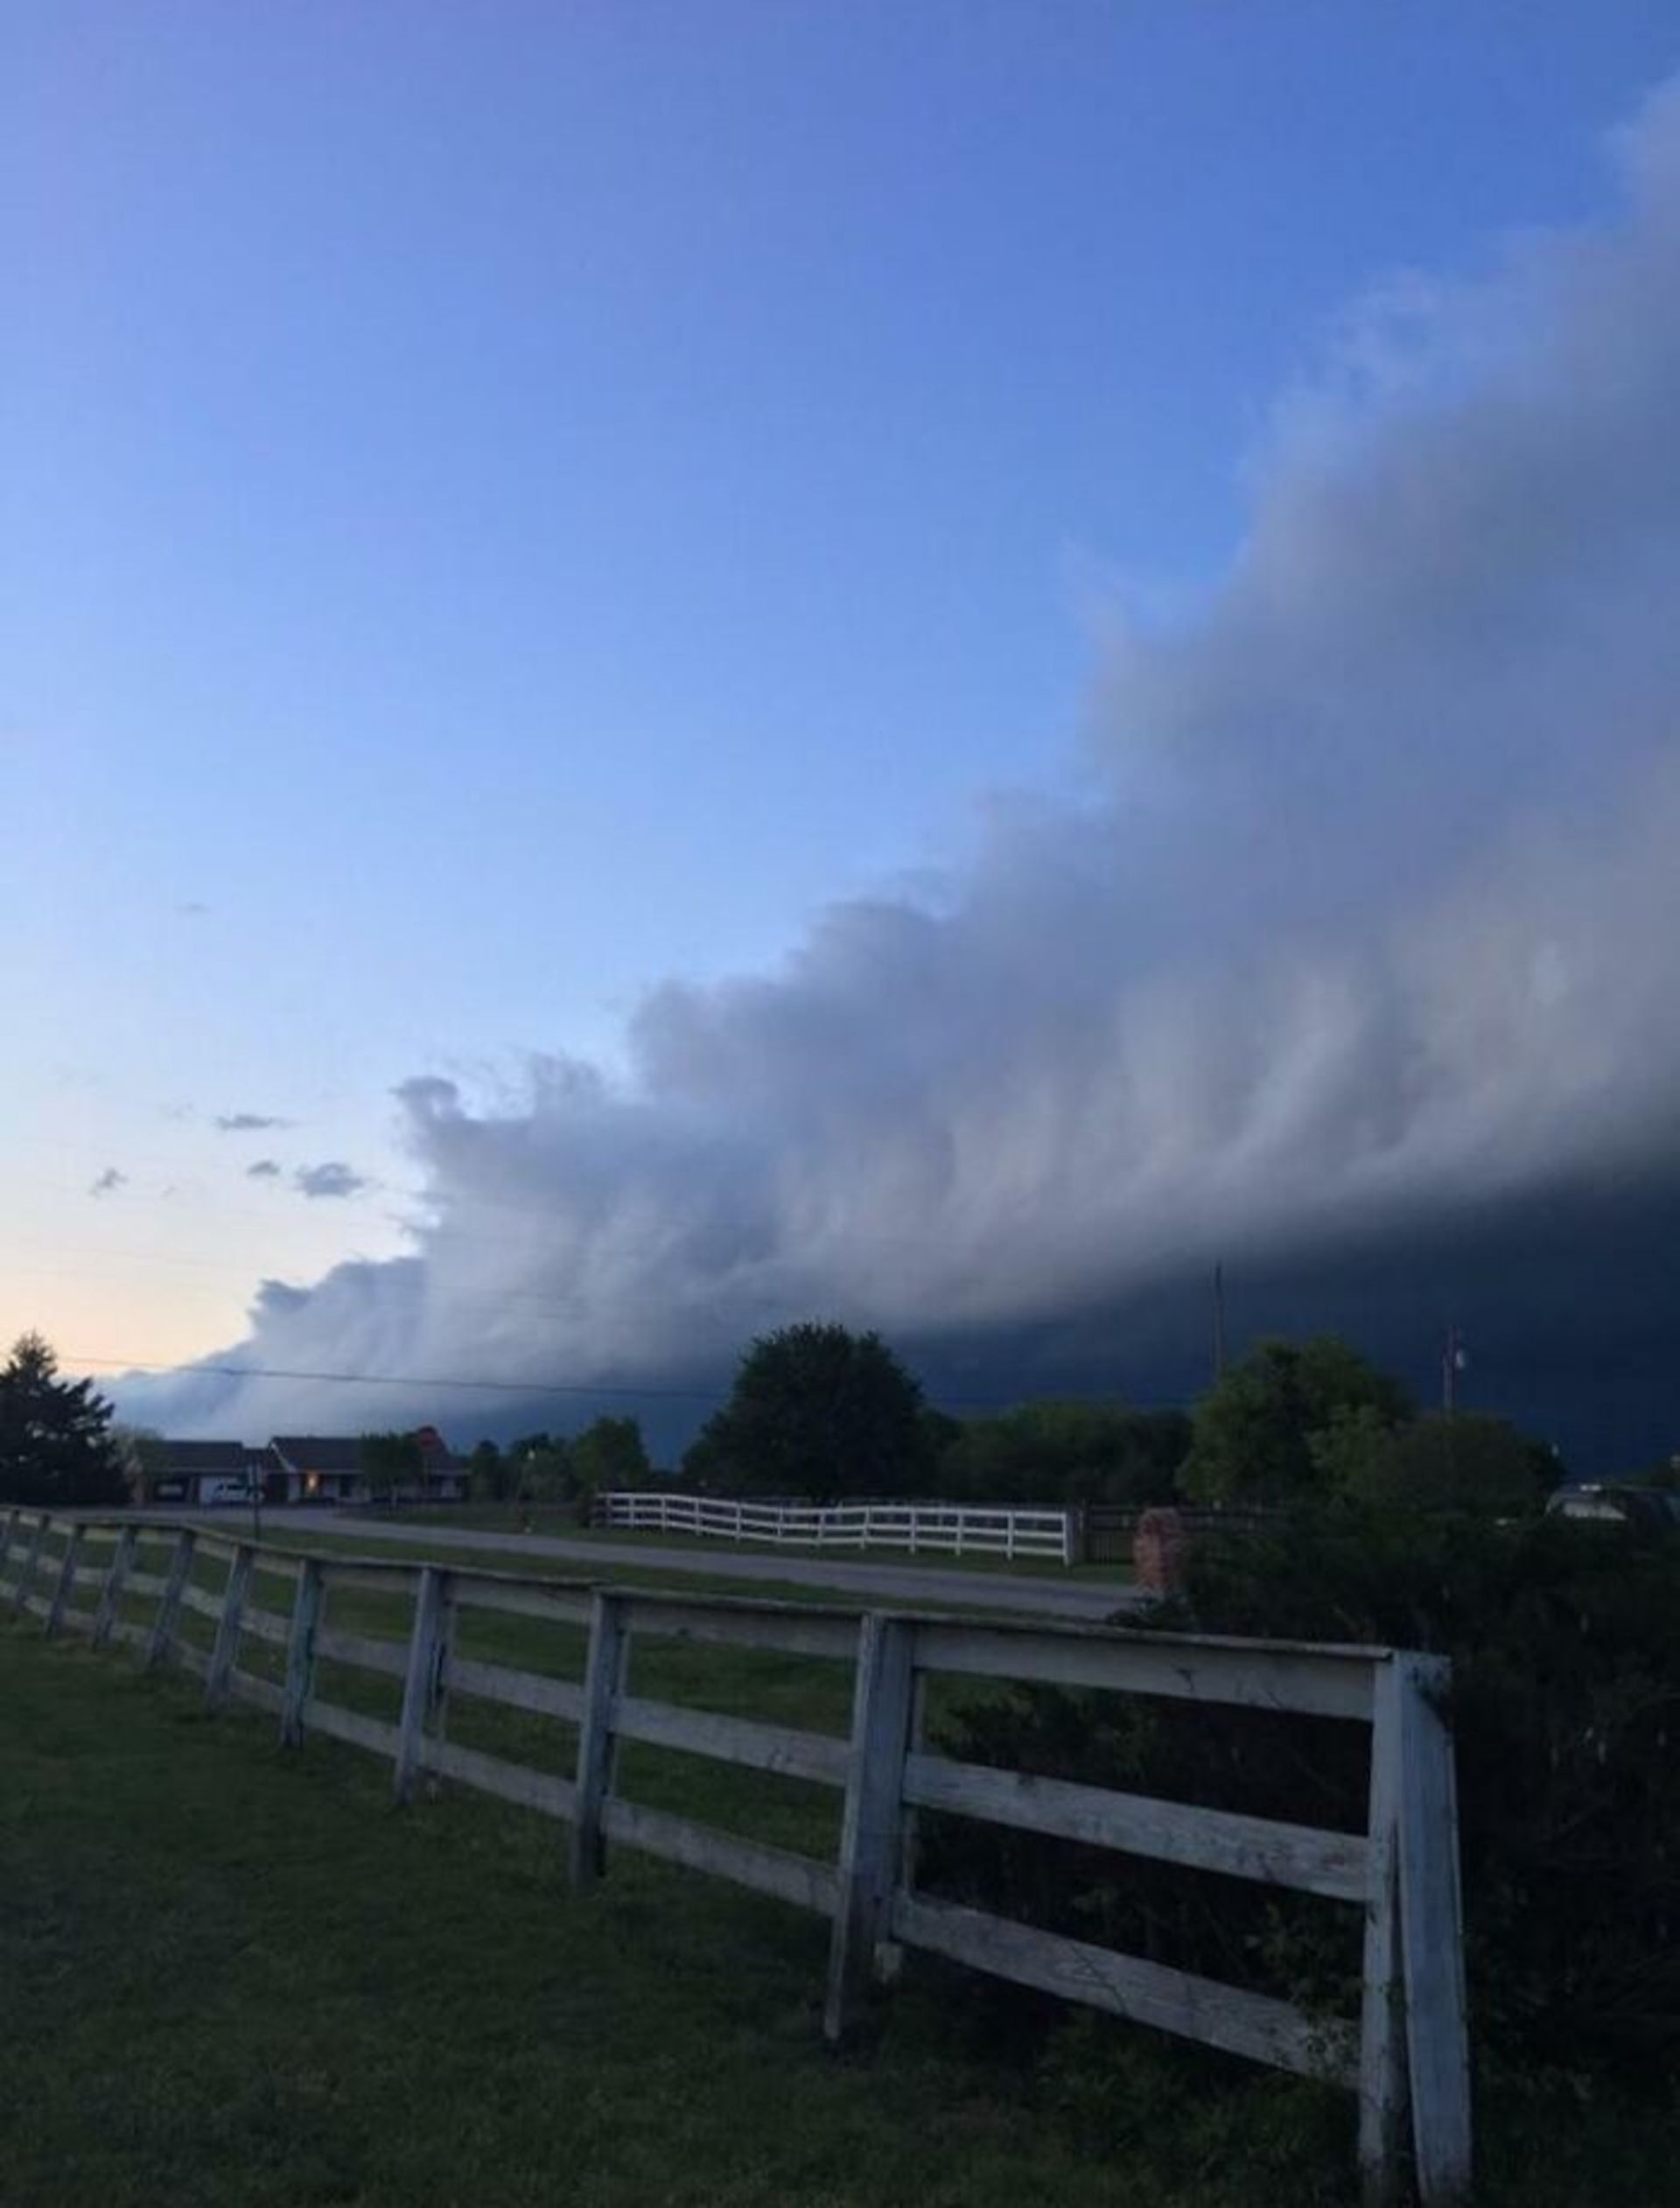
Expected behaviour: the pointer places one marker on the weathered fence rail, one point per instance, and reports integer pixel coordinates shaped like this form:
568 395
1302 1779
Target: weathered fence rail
949 1529
1406 2059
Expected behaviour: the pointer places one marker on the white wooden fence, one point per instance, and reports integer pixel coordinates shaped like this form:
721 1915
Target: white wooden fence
947 1529
1406 2059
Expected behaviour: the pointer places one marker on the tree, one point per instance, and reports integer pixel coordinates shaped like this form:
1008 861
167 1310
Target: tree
1457 1461
486 1474
1066 1451
540 1469
817 1411
1254 1435
55 1441
609 1453
391 1461
144 1456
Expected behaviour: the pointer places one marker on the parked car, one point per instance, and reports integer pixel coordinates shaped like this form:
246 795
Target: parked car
1642 1509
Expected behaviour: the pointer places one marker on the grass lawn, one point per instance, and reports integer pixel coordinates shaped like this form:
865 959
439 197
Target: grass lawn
236 1975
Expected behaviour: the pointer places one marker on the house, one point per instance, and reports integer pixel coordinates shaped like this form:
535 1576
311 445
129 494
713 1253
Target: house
297 1468
205 1472
316 1468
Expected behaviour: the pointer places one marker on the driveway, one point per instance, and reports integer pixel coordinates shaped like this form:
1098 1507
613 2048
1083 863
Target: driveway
1087 1600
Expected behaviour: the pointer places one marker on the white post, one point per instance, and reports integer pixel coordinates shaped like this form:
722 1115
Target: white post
1432 1936
74 1535
227 1625
609 1647
300 1650
1382 2103
26 1572
169 1602
111 1594
869 1831
423 1683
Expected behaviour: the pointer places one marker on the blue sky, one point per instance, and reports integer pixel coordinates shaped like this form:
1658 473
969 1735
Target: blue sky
506 507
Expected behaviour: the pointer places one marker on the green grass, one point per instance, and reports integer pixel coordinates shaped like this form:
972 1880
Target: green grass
236 1975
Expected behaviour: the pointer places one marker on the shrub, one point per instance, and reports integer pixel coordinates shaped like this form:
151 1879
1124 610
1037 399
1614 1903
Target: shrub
1564 1641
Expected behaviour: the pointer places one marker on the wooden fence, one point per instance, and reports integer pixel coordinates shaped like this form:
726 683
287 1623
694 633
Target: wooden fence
1407 2057
950 1529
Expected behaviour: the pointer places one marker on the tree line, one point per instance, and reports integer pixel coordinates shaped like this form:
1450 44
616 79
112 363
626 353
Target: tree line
822 1413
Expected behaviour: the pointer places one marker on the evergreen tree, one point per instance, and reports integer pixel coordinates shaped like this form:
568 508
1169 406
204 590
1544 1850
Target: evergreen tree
55 1441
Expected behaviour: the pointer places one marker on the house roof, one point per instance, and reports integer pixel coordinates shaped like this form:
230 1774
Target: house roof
319 1452
342 1453
206 1456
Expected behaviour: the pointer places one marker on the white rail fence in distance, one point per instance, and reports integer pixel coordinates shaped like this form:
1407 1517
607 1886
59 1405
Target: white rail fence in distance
933 1529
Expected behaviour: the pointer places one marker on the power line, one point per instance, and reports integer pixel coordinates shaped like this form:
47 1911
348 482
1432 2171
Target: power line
635 1390
406 1380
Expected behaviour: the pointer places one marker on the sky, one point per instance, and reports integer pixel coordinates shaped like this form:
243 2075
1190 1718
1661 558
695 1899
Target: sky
666 668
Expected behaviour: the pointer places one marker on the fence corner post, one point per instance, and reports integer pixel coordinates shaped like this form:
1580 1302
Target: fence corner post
1383 2099
871 1832
609 1644
300 1650
1432 1936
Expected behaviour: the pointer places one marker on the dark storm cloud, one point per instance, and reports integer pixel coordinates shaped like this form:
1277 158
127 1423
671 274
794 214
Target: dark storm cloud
1366 954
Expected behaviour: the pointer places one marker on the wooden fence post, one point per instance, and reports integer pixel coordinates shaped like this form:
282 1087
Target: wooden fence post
64 1584
1414 2047
1432 1936
7 1530
111 1594
1382 2101
438 1708
227 1625
870 1830
300 1650
26 1574
423 1680
169 1602
889 1953
609 1646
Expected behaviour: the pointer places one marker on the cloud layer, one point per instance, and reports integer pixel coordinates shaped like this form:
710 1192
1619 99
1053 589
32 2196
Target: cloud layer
1374 929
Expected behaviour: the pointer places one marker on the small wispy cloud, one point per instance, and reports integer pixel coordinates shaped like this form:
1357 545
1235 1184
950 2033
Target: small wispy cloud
334 1178
264 1169
192 908
247 1123
108 1182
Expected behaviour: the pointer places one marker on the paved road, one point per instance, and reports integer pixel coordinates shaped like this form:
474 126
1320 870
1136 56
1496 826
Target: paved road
1034 1596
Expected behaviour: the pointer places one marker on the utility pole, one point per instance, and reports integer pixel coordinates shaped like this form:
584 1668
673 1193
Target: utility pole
1453 1363
1219 1323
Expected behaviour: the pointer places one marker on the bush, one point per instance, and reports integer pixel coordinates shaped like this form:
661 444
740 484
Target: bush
1564 1641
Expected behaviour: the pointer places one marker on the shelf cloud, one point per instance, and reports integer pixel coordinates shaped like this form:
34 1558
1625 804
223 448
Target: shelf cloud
1372 929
